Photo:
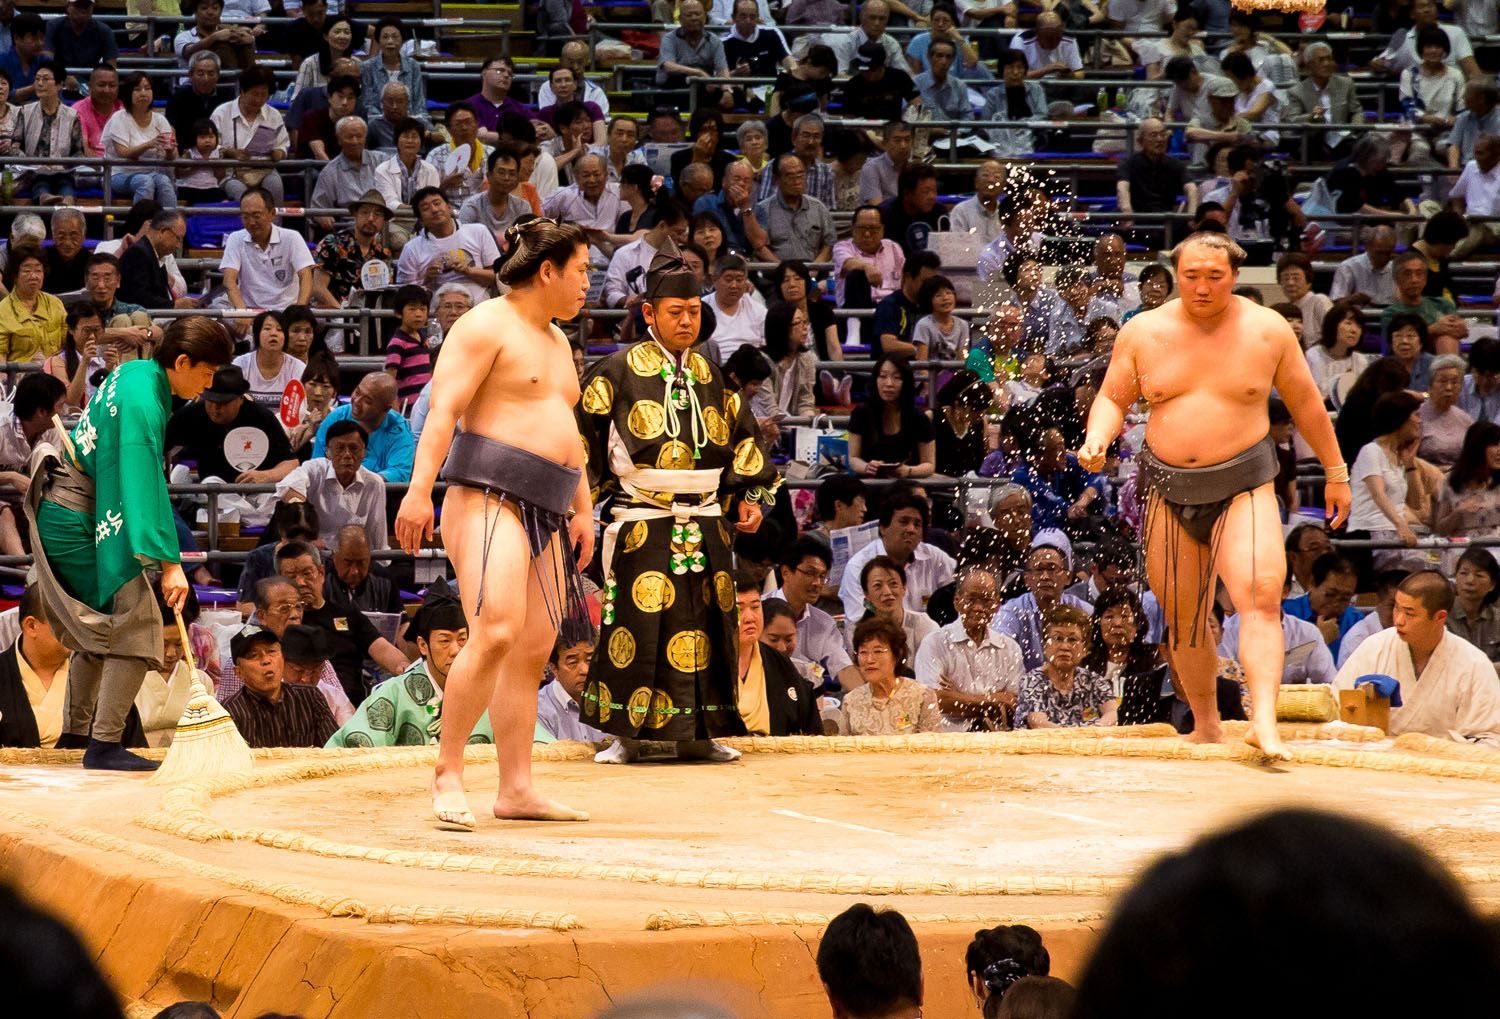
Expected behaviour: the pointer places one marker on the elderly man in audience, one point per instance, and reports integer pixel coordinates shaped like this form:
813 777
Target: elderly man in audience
1445 326
342 255
444 251
866 266
1049 53
196 99
734 207
1325 96
317 135
407 709
559 702
774 698
352 579
66 258
395 110
265 266
1369 277
267 710
593 203
143 267
1477 193
351 636
1060 693
690 52
803 571
879 175
797 225
979 215
903 522
888 703
351 173
277 608
739 315
390 446
944 95
807 144
1446 685
1480 116
1152 181
874 16
234 45
342 491
697 181
1046 574
976 672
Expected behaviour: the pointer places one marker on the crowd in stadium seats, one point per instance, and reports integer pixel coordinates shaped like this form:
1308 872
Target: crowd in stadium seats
924 221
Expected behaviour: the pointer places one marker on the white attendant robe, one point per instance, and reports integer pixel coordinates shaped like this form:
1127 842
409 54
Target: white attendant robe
1457 698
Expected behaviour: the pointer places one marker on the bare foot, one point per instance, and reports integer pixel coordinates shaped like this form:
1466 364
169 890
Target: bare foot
449 804
1205 734
1267 740
706 750
532 807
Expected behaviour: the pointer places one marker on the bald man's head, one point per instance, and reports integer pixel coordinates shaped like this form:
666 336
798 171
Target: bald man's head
351 555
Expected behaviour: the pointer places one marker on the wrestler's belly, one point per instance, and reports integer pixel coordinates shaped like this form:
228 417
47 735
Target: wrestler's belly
1197 431
544 427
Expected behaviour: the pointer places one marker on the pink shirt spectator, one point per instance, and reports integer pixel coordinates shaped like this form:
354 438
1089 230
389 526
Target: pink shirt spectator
92 124
889 260
412 364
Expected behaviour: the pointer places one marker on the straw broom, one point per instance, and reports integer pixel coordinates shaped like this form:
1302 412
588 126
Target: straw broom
206 743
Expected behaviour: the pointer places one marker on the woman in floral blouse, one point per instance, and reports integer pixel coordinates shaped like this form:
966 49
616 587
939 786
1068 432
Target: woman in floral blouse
1062 693
888 704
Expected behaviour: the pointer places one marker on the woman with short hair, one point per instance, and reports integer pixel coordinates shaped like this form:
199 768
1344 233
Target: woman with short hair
1062 693
889 704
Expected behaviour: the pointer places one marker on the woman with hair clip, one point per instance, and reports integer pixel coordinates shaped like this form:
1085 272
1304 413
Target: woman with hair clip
99 514
1000 956
518 520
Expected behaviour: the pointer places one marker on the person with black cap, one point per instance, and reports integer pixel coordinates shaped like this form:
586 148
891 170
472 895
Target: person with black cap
666 662
306 655
230 437
877 88
268 711
407 710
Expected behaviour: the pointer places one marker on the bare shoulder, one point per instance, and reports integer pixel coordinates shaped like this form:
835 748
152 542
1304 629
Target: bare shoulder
1259 317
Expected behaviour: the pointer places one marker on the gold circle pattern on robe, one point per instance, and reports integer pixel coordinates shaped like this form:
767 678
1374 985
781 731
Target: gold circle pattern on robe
731 405
724 587
635 537
653 591
647 420
748 459
698 365
598 396
646 359
675 456
621 648
687 651
602 692
715 426
638 706
661 710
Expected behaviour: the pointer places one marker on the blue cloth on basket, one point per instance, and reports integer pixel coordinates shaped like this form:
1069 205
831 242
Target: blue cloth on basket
1388 687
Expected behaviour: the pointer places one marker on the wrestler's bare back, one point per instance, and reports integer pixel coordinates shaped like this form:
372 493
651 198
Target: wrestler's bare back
530 385
1207 384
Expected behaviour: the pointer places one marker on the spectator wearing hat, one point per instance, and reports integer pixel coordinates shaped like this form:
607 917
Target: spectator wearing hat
1220 122
278 608
878 87
231 438
337 484
268 711
407 710
341 256
305 651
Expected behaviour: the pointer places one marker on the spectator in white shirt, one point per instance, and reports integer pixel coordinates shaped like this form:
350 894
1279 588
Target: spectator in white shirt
975 670
340 487
264 265
740 318
250 128
1048 51
445 252
804 570
575 57
1369 277
405 173
624 286
874 15
1403 53
903 521
593 203
1477 193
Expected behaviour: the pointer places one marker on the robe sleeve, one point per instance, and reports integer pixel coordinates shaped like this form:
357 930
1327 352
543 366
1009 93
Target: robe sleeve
751 476
1477 702
595 412
372 725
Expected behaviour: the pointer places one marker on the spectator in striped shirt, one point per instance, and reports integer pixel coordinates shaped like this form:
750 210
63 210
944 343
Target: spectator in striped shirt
407 359
267 711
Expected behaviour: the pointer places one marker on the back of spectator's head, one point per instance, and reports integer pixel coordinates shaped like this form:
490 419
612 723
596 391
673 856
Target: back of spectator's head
1180 69
868 960
45 968
840 488
1238 65
1393 410
823 58
1033 998
515 127
188 1010
638 176
1197 920
747 365
1277 412
1000 956
1446 227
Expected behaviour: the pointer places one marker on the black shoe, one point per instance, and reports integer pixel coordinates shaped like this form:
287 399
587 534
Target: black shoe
68 741
101 756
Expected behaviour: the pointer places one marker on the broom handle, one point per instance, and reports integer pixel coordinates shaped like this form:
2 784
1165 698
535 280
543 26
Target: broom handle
187 645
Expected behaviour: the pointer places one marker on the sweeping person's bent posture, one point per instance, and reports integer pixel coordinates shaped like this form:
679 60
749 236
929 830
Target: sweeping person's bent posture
100 516
1212 513
517 519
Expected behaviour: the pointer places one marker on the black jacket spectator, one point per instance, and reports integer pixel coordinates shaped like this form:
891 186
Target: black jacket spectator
186 107
790 700
1156 185
208 444
142 276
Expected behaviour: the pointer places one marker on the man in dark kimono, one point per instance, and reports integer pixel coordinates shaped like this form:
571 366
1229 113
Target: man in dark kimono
674 453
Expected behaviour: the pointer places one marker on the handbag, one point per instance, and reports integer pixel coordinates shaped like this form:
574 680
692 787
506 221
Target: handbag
957 249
